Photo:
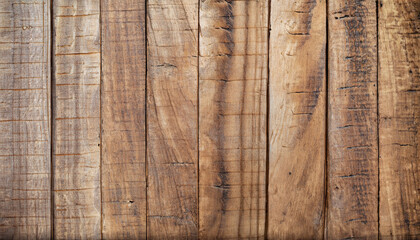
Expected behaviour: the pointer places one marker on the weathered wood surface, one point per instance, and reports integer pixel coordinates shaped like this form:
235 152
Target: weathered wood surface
25 120
123 119
227 119
172 154
76 119
352 210
297 119
233 87
399 111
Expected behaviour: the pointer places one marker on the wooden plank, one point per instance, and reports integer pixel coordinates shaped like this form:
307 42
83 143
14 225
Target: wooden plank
172 118
233 79
76 119
352 121
297 119
123 117
399 111
25 164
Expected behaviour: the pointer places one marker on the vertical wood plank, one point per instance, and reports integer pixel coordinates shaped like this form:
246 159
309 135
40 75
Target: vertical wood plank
123 117
76 120
25 204
233 79
172 118
399 111
352 120
297 119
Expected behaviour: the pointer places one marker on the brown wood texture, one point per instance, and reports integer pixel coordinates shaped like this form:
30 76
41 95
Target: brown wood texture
297 119
209 119
399 111
352 210
76 119
123 119
172 147
25 170
233 107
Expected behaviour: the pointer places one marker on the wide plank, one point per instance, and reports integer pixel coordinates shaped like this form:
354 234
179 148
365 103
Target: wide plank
399 112
25 163
233 118
297 124
172 155
123 119
76 119
352 208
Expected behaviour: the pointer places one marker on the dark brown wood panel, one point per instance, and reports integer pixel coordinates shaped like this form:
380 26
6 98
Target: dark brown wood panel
123 119
25 169
233 108
172 154
297 119
352 120
399 111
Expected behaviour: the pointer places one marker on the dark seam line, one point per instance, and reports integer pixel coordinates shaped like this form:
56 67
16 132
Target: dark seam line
325 236
198 119
100 114
267 144
377 111
146 166
52 94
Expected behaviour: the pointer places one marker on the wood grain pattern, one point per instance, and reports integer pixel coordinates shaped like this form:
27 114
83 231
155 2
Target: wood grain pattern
172 155
297 119
123 119
399 111
25 197
233 88
76 120
352 121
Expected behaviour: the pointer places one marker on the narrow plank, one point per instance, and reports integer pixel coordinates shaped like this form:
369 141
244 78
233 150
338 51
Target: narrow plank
233 108
123 119
76 119
352 121
172 155
25 169
399 111
297 119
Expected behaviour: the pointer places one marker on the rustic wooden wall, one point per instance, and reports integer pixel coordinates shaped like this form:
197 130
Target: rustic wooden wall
211 119
25 120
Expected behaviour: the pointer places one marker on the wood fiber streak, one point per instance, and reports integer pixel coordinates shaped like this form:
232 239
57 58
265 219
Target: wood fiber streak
399 111
233 109
76 119
25 200
172 155
297 119
352 121
123 119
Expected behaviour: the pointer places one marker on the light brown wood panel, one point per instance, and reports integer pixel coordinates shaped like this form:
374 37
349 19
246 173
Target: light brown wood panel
399 111
297 119
172 156
76 119
123 119
352 121
25 170
233 107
